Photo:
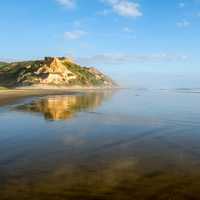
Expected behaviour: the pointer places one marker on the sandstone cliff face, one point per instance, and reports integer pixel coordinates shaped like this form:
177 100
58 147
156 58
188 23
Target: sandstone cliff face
52 71
55 72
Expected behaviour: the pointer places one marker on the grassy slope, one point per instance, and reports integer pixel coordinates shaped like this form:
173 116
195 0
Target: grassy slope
84 76
2 64
11 71
3 88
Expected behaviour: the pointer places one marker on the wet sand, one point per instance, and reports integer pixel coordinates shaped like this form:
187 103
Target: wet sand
8 96
11 96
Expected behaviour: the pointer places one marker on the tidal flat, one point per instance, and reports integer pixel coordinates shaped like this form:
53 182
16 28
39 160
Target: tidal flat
100 145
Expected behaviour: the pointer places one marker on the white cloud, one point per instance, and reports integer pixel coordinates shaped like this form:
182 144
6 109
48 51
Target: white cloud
125 8
183 24
67 3
74 35
128 58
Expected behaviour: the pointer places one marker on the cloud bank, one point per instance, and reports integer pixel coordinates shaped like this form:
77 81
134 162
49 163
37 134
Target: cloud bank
125 58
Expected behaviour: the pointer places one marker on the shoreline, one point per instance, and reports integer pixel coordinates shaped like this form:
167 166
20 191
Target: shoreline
9 96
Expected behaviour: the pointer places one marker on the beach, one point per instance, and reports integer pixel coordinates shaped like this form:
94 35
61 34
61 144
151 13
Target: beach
8 96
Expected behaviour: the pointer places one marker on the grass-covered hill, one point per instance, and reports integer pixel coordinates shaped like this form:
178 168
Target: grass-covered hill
51 71
2 64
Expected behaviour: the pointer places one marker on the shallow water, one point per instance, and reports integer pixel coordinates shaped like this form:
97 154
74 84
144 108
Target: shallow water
101 145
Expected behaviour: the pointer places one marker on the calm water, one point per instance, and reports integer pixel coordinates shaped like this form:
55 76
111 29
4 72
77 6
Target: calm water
101 146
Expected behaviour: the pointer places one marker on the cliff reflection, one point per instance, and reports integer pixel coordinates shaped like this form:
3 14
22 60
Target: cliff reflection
55 108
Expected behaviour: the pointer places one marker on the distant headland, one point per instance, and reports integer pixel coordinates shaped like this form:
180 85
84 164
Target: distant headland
52 72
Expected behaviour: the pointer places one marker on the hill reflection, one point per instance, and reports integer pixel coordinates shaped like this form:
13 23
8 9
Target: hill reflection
55 108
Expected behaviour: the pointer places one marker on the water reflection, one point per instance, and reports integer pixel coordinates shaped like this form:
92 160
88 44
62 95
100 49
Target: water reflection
55 108
139 147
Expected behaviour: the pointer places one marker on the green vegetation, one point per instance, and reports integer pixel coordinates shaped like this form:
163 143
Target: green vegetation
26 73
84 76
3 88
9 72
2 64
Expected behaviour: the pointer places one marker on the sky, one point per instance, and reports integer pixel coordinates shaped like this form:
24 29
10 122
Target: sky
139 43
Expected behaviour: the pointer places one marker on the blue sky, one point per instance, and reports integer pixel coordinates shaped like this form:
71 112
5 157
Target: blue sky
139 43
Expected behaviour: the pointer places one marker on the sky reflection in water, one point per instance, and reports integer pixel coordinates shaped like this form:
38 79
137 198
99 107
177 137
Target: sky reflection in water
101 145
